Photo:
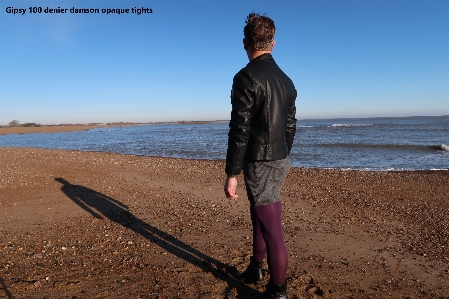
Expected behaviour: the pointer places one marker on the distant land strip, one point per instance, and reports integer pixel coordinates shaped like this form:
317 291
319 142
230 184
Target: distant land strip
38 128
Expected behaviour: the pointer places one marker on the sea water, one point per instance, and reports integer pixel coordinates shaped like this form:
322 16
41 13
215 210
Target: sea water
403 143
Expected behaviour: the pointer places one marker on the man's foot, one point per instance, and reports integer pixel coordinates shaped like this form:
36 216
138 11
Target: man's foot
253 273
273 292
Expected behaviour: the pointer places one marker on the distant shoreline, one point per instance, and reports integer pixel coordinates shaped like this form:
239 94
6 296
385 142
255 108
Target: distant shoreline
75 128
53 128
4 130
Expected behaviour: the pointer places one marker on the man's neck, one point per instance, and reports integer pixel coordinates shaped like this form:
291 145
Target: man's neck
255 54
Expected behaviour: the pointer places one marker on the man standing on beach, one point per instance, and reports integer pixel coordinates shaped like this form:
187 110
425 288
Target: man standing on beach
262 129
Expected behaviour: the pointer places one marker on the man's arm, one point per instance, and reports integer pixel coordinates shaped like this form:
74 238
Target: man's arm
239 128
291 124
242 100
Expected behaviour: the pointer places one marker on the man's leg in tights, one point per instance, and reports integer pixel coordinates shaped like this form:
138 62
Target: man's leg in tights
268 238
259 246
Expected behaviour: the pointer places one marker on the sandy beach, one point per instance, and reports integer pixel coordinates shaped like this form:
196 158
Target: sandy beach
99 225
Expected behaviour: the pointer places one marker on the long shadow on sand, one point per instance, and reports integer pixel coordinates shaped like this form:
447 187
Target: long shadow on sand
100 205
5 289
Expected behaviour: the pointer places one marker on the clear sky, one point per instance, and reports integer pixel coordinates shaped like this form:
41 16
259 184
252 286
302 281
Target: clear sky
347 58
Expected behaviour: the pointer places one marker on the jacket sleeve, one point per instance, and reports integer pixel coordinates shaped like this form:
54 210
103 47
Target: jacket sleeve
291 124
242 100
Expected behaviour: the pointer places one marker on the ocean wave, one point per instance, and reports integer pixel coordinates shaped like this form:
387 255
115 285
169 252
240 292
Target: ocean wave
333 125
350 125
377 169
411 147
442 147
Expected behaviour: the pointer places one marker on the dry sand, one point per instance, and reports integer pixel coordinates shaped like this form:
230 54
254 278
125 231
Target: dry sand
98 225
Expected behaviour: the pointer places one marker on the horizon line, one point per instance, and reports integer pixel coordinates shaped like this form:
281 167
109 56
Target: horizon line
203 121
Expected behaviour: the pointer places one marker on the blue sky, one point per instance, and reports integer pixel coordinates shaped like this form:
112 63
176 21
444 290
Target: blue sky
347 59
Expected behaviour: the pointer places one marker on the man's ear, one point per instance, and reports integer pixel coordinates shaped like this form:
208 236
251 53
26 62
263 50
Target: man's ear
245 44
272 44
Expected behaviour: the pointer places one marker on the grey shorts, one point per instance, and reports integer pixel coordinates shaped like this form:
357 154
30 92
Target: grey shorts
264 179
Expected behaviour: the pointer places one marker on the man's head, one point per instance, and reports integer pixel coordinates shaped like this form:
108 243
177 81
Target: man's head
259 32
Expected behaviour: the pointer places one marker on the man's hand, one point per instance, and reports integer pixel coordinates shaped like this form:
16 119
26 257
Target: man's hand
229 188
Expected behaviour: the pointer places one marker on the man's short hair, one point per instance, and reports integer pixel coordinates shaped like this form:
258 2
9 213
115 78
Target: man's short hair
259 32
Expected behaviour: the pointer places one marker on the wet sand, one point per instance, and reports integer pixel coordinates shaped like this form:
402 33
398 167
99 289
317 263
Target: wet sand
98 225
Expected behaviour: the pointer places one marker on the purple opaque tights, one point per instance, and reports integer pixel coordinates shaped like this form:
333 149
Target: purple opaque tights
268 239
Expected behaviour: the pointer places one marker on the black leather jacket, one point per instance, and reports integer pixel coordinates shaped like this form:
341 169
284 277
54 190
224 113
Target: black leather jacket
263 123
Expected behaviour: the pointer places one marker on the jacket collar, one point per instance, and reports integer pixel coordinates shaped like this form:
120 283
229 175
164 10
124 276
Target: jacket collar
266 56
